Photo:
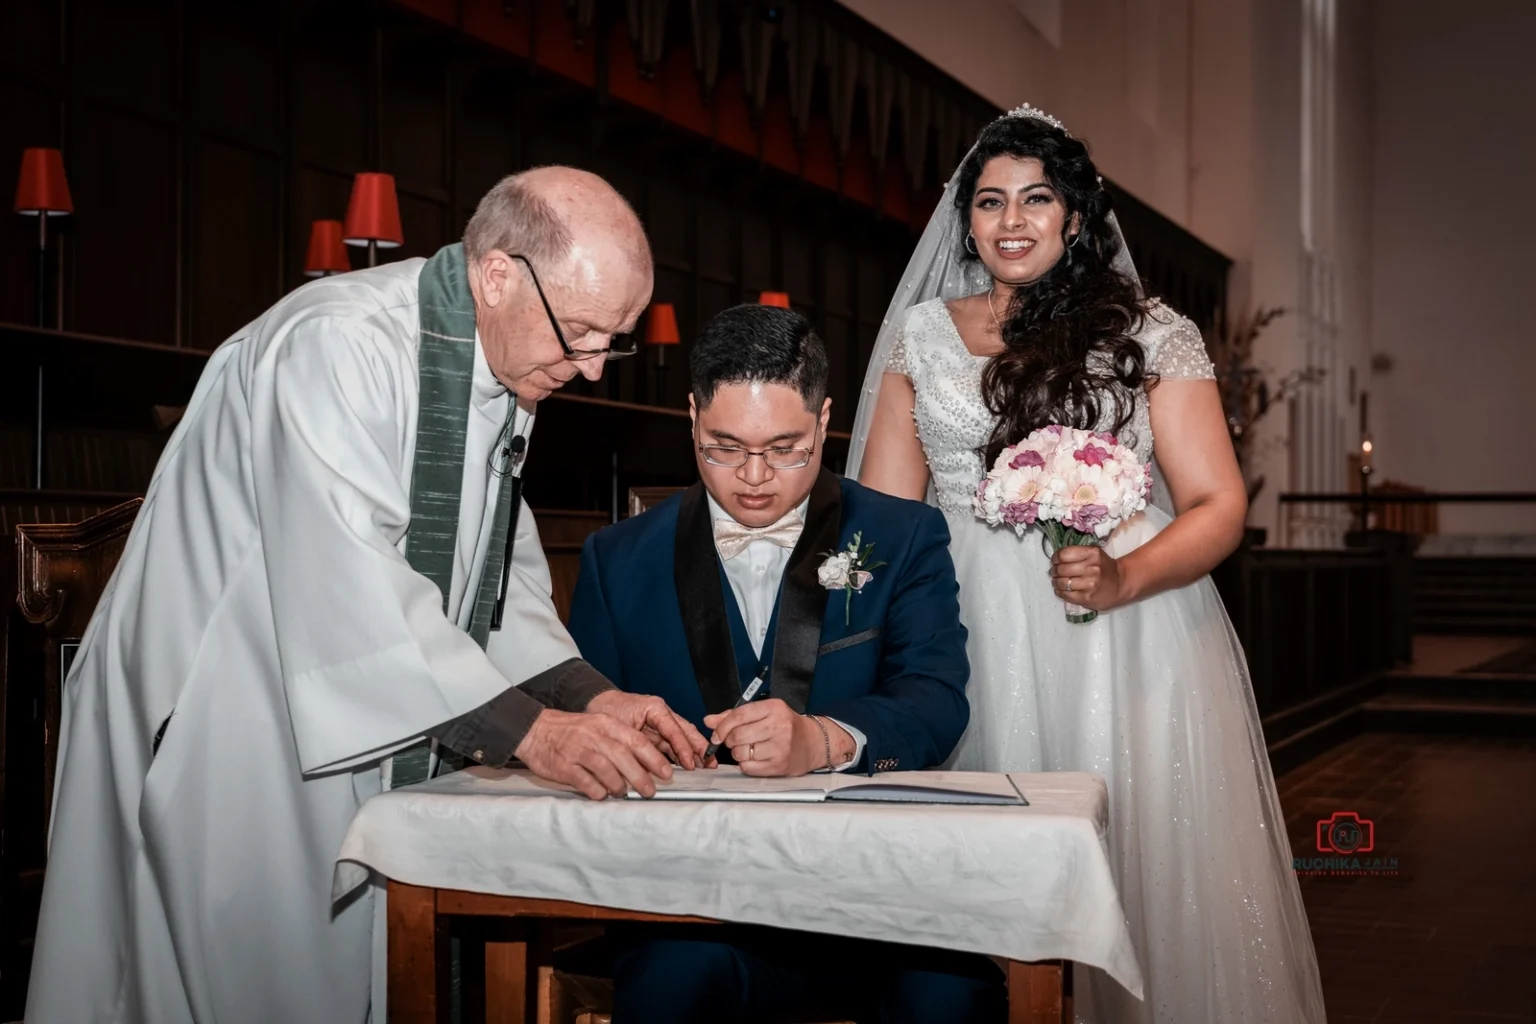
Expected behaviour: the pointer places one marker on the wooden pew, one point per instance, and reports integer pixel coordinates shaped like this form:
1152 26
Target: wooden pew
642 499
561 534
61 570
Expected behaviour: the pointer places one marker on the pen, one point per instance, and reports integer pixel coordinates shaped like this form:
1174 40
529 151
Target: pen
746 698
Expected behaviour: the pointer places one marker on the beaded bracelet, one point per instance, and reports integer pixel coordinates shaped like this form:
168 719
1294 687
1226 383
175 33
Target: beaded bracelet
825 739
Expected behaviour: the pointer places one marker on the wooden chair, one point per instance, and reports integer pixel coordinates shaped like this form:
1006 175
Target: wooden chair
561 535
61 570
643 498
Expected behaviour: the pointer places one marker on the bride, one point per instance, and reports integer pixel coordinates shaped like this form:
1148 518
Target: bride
1021 308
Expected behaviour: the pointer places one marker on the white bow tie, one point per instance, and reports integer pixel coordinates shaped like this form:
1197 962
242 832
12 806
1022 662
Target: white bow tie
732 538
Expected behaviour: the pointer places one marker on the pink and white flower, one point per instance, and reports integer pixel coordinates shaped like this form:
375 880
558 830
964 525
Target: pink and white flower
1087 482
1076 486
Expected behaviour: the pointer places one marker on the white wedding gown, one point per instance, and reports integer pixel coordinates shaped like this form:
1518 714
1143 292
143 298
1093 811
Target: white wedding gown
1154 696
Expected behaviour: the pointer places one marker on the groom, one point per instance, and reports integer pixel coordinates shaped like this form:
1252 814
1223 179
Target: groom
863 657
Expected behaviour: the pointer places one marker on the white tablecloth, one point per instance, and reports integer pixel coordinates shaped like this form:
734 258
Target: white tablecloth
1030 883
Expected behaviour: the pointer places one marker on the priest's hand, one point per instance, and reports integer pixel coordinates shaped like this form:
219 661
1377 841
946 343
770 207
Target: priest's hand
594 753
768 737
673 734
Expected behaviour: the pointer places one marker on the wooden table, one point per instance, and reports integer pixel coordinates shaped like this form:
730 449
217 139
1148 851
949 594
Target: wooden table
519 973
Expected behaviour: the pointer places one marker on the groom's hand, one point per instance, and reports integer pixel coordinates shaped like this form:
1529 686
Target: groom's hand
673 734
767 737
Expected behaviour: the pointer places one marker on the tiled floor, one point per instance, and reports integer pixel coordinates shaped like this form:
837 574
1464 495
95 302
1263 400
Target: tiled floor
1451 938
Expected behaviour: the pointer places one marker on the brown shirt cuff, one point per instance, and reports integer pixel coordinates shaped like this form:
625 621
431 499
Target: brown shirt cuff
569 686
490 734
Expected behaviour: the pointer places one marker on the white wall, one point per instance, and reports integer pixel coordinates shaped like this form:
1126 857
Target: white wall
1454 251
1120 79
1193 106
1422 177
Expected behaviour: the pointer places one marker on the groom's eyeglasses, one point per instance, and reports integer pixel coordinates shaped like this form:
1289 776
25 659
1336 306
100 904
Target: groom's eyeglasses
619 345
733 457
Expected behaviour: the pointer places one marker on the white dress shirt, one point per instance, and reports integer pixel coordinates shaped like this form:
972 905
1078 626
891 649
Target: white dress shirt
755 575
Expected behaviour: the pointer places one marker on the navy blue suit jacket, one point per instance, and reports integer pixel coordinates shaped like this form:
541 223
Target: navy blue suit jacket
654 612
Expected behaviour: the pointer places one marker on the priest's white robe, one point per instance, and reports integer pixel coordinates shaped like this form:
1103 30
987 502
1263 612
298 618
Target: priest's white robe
264 606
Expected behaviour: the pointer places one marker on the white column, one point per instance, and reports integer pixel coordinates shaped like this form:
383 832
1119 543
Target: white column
1319 450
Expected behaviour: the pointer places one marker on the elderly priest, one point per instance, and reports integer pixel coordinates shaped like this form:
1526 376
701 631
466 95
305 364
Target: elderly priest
308 607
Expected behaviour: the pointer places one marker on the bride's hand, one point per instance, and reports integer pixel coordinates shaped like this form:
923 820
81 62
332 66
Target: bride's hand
1089 577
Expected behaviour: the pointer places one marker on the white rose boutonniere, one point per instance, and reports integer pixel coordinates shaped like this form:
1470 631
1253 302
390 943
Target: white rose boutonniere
848 571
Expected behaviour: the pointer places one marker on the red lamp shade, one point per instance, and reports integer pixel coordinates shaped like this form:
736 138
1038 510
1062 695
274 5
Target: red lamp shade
42 187
662 328
327 252
780 299
373 214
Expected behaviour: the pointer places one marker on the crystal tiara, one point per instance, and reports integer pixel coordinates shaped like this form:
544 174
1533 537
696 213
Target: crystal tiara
1036 114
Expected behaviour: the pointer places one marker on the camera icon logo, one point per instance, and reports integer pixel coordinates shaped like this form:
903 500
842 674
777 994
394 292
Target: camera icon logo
1346 832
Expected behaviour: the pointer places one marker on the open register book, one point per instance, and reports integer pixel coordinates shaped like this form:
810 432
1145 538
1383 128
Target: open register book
727 783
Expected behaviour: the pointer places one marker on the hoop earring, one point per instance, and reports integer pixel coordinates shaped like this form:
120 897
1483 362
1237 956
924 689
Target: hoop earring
970 244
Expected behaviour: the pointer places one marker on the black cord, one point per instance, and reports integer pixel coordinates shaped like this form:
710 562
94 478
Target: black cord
514 447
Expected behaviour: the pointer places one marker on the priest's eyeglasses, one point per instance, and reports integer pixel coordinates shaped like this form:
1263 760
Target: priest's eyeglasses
732 457
619 345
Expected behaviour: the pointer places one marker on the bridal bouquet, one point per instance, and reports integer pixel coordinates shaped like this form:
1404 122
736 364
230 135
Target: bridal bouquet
1076 486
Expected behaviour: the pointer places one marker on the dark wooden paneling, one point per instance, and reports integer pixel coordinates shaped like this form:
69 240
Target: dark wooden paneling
485 146
118 461
30 38
234 71
125 53
800 261
836 332
124 174
757 231
713 297
330 99
235 245
425 222
1312 623
667 220
712 215
415 144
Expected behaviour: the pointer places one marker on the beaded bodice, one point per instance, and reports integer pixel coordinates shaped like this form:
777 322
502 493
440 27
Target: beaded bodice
953 423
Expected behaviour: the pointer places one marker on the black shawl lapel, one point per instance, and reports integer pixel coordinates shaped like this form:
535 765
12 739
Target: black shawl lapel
803 600
701 599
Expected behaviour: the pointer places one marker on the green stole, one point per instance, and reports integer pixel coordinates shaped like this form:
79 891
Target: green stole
447 368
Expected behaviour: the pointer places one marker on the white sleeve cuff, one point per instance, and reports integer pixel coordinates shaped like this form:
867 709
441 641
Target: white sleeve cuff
858 745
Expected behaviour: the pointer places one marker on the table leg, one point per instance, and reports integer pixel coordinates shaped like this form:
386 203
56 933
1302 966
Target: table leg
418 956
506 981
541 961
1035 994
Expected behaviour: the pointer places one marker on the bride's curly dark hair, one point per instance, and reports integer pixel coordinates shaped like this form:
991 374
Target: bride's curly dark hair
1070 351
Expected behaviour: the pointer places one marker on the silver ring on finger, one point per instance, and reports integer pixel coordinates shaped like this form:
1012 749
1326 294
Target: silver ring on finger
1069 584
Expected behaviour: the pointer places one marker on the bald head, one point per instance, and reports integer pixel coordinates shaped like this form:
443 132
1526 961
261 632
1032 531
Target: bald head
543 212
585 249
